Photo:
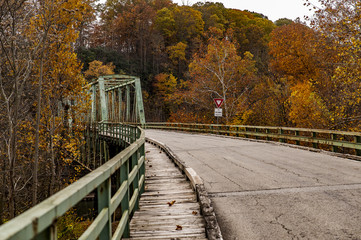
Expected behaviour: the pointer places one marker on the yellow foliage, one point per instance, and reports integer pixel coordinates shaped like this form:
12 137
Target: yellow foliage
97 68
177 52
307 109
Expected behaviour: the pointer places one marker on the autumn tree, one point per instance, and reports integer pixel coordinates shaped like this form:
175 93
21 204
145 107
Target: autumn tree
16 62
60 96
43 93
283 21
97 68
267 103
339 23
182 28
293 52
220 72
307 109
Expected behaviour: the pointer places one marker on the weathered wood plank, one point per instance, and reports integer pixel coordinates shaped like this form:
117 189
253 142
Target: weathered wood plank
156 219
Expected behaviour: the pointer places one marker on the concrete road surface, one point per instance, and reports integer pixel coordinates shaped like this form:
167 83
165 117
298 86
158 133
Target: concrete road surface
266 191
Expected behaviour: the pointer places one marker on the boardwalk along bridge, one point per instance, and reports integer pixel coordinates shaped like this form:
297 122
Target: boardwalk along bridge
119 181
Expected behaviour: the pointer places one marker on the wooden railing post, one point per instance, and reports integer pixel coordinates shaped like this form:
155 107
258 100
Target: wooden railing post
142 168
48 234
103 194
136 179
124 173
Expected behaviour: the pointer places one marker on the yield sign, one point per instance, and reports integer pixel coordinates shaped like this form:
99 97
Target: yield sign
218 102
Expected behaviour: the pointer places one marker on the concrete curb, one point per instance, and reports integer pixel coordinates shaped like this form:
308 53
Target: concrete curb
212 228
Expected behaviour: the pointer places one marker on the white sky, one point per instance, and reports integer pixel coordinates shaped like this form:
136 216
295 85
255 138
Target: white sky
273 9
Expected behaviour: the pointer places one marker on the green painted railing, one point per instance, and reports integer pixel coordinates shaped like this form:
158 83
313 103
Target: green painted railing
336 141
126 171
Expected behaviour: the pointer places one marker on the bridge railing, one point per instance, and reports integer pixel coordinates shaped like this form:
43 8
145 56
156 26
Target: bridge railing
126 171
336 141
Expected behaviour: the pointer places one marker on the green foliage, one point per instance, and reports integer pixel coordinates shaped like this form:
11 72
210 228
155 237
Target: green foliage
282 22
105 55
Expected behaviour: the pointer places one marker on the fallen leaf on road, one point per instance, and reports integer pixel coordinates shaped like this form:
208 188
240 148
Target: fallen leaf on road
194 212
171 203
179 227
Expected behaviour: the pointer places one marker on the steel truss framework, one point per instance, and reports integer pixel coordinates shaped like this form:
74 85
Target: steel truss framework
117 98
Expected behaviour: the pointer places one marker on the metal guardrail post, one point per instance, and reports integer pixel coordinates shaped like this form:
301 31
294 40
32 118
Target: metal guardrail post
267 132
314 136
357 139
334 137
297 134
280 132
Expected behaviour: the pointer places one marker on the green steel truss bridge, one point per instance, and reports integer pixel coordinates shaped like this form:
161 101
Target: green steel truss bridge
117 98
120 180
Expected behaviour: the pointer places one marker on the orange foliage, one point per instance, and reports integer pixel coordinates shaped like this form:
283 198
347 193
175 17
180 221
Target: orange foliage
292 48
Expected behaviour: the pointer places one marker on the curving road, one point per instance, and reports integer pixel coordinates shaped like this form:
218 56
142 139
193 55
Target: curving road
268 191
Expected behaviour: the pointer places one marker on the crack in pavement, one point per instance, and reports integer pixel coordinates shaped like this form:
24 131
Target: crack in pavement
287 190
288 230
238 165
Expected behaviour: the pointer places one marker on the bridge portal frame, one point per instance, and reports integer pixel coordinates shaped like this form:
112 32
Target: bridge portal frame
109 89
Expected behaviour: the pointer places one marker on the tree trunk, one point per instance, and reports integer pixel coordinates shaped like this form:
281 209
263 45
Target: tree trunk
37 131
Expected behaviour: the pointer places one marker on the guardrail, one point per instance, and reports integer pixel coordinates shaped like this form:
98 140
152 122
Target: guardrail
335 141
126 171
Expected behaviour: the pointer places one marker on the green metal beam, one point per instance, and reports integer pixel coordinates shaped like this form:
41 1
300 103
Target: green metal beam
128 103
103 102
140 106
113 105
94 104
120 103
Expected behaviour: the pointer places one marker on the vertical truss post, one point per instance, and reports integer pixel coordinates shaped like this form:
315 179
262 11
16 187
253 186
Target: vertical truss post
140 107
113 105
128 103
107 100
120 103
103 102
94 104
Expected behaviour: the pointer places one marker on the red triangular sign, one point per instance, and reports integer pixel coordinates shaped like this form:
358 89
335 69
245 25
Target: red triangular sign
218 102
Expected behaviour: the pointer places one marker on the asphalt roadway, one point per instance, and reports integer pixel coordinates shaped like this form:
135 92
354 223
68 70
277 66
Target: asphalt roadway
267 191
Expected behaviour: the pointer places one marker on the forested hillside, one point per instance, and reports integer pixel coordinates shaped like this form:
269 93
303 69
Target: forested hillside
283 73
43 99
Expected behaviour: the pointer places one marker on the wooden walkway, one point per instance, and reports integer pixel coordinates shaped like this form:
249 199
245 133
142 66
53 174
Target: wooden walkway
168 207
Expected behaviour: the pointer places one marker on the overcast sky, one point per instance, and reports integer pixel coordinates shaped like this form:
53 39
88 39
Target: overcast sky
273 9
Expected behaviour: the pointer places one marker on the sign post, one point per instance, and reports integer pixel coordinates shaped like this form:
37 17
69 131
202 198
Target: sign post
218 109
